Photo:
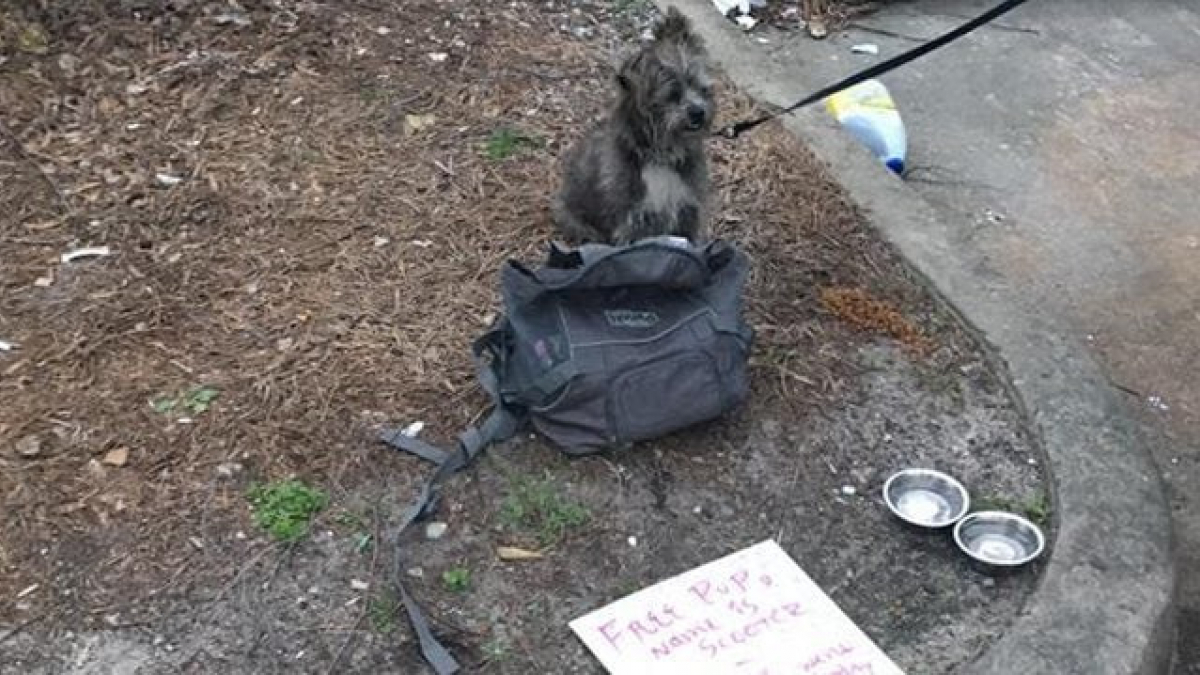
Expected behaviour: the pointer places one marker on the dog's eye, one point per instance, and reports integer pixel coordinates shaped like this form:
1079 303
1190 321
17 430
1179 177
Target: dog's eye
675 92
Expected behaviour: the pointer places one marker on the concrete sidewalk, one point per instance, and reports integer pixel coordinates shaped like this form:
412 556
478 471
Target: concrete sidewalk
1052 198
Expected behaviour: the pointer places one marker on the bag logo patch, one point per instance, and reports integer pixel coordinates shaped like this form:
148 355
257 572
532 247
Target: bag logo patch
630 318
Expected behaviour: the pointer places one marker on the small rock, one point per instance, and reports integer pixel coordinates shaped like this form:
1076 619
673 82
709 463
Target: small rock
380 242
383 30
989 582
29 446
416 123
96 469
313 590
112 619
68 63
44 282
632 540
158 640
438 57
413 430
415 572
117 457
435 530
871 49
359 585
228 469
849 490
817 29
167 180
234 18
196 542
239 535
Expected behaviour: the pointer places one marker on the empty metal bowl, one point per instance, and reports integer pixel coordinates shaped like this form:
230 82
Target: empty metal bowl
926 498
999 540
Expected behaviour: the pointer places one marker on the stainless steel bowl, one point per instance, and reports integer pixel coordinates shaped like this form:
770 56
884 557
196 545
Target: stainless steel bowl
999 540
926 498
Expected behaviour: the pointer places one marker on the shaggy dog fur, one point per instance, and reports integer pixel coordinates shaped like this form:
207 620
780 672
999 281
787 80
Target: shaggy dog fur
642 171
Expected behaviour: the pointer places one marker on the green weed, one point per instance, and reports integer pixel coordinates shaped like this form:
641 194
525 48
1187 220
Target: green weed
1035 508
495 649
285 508
538 508
194 401
456 579
630 6
381 611
504 143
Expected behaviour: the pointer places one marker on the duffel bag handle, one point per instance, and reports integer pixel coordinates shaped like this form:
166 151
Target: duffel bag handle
655 262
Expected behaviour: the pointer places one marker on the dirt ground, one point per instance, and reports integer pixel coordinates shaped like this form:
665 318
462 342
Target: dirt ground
306 205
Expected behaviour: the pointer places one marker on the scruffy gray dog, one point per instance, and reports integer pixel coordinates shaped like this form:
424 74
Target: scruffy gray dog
642 171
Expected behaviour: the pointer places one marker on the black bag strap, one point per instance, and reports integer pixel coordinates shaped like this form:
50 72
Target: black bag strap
501 424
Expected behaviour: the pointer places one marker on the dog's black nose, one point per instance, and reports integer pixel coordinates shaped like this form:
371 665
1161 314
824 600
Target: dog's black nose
696 115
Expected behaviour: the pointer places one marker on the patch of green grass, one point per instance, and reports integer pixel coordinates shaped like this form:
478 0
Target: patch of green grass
538 508
194 401
163 404
1036 508
626 587
495 649
360 532
630 6
352 520
456 579
504 143
285 508
199 399
371 95
363 541
381 611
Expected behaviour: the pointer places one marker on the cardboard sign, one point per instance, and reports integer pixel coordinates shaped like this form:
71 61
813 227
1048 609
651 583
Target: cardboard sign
754 612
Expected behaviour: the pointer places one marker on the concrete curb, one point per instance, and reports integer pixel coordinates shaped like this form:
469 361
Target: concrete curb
1104 604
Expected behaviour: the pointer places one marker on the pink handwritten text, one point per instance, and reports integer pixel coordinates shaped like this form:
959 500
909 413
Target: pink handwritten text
647 627
714 645
826 657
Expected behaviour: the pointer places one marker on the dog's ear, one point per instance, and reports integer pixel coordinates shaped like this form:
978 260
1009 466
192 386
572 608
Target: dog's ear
675 27
627 72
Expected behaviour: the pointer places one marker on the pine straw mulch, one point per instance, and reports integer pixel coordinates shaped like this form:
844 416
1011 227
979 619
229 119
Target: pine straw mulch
322 263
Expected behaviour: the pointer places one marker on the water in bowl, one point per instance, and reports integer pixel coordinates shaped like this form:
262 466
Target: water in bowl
925 506
997 547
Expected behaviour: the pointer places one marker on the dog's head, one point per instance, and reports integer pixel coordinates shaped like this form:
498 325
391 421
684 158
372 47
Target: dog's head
667 81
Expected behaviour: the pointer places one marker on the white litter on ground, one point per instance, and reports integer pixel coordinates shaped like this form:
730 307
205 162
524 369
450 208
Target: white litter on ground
87 252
